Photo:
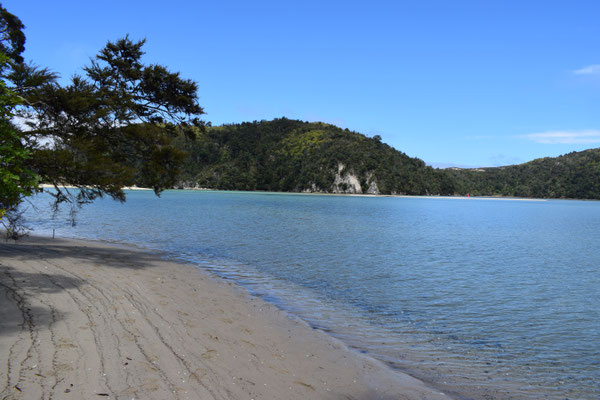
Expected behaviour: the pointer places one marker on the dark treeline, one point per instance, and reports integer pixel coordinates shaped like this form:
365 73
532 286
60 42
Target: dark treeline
575 176
295 156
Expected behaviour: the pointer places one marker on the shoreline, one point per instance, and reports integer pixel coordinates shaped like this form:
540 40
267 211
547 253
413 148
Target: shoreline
407 196
504 198
86 317
457 197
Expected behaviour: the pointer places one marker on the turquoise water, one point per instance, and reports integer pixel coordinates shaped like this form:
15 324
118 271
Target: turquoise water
483 298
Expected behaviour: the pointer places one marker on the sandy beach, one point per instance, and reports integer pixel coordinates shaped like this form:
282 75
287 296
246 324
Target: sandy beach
86 320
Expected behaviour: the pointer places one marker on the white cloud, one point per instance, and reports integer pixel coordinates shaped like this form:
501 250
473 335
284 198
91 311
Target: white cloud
565 137
588 70
21 123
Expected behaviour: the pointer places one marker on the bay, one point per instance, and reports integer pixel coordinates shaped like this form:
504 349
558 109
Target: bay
484 298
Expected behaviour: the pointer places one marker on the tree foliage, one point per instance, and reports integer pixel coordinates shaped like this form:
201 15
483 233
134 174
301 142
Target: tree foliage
12 38
110 127
113 126
575 175
17 180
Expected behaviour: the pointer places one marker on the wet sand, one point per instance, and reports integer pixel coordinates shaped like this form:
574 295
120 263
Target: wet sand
86 320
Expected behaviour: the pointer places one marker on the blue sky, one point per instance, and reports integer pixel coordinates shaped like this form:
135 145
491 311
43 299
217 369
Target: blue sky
467 83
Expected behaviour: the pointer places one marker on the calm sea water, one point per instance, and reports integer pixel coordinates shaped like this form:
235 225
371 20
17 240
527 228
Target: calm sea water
479 297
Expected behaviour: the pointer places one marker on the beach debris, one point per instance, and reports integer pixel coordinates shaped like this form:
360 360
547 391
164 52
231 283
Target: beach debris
306 385
18 388
102 394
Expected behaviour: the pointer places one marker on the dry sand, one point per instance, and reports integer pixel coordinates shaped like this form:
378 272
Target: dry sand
85 320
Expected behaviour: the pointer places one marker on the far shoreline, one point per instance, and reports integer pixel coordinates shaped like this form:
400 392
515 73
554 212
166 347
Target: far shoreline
408 196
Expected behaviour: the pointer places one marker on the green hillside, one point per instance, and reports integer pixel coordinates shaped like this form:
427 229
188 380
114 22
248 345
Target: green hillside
295 156
288 155
575 175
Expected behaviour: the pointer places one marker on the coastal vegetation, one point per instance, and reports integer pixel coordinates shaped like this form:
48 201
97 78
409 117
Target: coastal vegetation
290 155
573 176
110 127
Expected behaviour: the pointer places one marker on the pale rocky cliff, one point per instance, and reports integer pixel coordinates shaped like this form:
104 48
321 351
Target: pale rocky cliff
348 182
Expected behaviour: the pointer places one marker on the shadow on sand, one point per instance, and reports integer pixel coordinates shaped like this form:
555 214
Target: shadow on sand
94 253
20 305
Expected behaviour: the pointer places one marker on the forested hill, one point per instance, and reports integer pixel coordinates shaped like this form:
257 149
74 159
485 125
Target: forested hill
575 175
295 156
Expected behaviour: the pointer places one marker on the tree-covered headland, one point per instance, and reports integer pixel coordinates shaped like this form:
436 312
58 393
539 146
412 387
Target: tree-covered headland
571 176
289 155
295 156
